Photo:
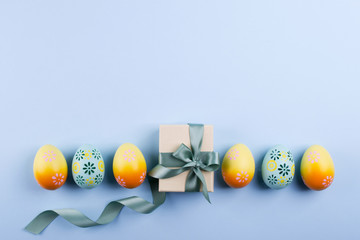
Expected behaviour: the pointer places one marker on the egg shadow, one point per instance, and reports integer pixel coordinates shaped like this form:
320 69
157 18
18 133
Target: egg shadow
151 152
108 161
259 182
219 179
69 158
298 182
218 174
30 154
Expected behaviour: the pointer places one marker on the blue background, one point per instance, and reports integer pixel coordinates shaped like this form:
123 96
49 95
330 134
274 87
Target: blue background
110 72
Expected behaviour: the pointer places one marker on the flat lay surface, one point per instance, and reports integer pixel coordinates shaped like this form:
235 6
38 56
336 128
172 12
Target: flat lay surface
106 73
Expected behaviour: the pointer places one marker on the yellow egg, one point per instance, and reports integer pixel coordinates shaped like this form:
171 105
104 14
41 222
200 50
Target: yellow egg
317 168
238 166
129 166
50 168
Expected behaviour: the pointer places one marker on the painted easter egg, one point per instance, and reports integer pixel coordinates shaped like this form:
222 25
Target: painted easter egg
238 166
50 168
278 167
129 166
317 168
88 168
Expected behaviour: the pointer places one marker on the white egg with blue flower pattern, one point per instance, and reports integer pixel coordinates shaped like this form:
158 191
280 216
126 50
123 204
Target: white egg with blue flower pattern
278 167
88 167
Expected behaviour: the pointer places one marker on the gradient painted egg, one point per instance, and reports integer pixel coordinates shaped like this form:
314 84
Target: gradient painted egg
278 167
50 168
317 168
238 166
129 166
88 167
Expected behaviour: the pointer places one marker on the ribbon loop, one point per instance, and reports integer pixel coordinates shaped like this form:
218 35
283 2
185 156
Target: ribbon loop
189 159
183 153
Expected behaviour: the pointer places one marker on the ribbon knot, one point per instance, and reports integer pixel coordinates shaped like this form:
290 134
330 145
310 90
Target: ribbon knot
197 163
186 159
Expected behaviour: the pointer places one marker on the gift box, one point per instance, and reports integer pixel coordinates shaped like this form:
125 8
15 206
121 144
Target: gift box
170 138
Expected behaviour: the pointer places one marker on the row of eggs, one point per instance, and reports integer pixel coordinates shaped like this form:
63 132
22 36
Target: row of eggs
88 168
129 167
278 168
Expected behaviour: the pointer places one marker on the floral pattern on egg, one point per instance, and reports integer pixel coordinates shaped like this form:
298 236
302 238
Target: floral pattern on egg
233 154
327 181
242 177
278 167
50 168
49 156
238 166
142 177
317 168
313 157
129 166
58 179
120 181
88 167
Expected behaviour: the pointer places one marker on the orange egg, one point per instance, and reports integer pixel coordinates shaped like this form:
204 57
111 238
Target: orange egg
317 168
50 167
238 166
129 166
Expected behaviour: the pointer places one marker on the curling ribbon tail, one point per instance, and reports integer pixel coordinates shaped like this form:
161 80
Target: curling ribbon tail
110 212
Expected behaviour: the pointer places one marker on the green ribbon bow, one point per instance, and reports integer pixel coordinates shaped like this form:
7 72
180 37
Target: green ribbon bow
194 160
110 212
189 159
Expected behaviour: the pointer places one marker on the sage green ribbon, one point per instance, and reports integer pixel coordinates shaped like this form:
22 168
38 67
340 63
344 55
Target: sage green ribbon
189 159
110 212
184 158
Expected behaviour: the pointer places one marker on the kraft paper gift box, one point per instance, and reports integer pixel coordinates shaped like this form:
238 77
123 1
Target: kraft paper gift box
170 138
